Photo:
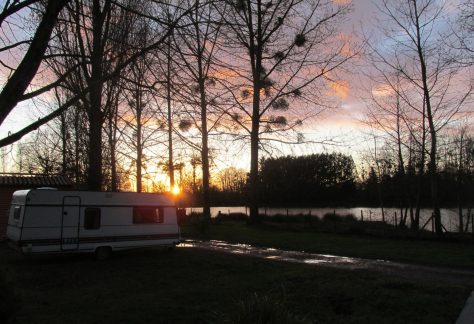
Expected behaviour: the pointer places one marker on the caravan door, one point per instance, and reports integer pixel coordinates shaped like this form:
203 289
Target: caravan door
70 223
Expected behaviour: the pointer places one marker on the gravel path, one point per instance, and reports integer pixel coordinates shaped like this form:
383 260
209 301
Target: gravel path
412 271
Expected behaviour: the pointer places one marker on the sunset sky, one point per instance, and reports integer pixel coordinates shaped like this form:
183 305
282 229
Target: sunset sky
342 126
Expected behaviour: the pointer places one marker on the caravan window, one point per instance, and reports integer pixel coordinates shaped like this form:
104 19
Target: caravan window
143 215
92 218
17 212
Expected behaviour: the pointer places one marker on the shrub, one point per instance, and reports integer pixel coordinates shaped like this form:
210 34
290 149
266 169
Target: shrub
262 310
336 218
231 217
300 218
333 218
9 300
199 223
349 218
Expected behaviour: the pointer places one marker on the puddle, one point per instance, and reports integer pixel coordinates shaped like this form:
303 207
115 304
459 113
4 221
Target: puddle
341 262
281 255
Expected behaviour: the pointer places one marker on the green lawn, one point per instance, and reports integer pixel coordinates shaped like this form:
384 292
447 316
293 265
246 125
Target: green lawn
196 286
417 251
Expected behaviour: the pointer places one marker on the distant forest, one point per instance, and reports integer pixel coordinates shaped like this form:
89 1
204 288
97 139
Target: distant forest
332 180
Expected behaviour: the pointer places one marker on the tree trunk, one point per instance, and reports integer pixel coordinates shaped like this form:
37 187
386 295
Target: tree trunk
94 179
205 148
434 192
255 52
459 184
139 144
26 70
432 167
170 125
421 172
77 172
254 179
64 141
113 159
205 168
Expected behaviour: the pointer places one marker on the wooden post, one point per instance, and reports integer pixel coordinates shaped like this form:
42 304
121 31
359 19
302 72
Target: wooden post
361 215
396 219
287 214
370 215
466 224
432 223
472 223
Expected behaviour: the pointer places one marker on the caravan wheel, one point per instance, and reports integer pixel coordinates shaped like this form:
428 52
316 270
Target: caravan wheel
103 253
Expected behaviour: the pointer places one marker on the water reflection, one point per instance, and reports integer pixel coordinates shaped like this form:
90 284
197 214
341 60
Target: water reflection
276 254
449 216
327 260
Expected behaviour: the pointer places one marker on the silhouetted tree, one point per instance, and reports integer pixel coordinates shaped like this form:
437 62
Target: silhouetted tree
280 55
414 54
13 90
317 179
196 46
464 31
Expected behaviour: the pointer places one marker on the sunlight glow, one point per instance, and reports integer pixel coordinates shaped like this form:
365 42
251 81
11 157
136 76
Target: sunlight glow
340 88
176 190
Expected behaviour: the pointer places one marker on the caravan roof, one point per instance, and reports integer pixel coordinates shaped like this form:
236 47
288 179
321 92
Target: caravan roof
50 196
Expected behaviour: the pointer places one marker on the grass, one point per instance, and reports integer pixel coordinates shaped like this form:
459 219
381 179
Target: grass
364 245
196 286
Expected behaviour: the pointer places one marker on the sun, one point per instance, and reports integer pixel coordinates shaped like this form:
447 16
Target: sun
176 190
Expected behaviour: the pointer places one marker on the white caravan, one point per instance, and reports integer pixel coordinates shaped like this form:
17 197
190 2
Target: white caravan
49 220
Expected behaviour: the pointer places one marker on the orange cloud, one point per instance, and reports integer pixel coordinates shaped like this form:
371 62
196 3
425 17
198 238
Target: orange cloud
224 73
340 88
342 2
382 90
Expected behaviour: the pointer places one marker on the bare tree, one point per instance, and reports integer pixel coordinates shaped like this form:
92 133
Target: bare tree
281 55
404 130
412 30
196 46
41 153
164 77
142 120
231 180
101 43
162 31
131 115
463 29
13 91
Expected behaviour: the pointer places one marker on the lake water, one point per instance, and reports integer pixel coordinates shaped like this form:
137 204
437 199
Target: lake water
449 217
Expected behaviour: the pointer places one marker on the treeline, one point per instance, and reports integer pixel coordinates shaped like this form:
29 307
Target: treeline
393 190
317 179
332 179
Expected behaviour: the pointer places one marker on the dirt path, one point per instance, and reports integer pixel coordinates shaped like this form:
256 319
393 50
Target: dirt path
455 276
